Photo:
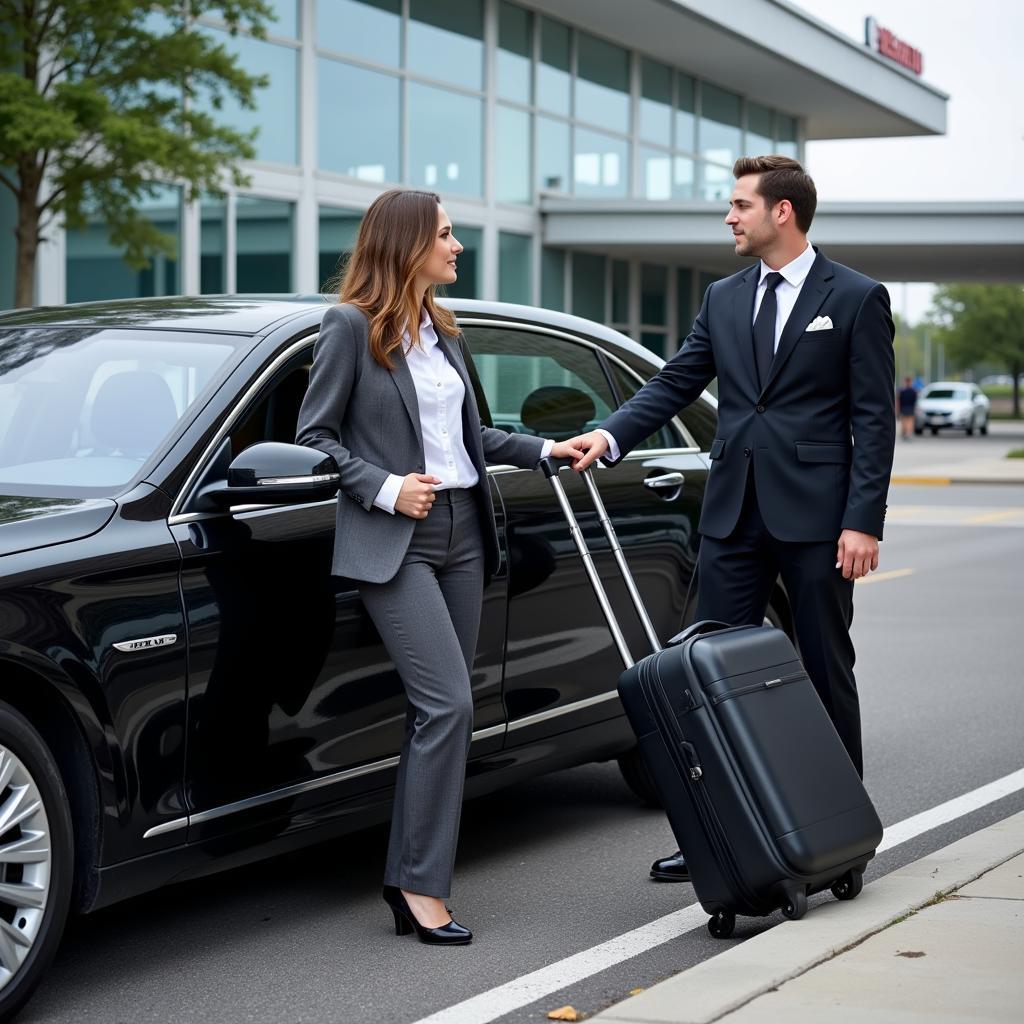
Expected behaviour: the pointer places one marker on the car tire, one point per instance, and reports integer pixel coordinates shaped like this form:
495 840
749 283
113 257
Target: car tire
983 429
935 431
32 792
632 765
969 429
918 431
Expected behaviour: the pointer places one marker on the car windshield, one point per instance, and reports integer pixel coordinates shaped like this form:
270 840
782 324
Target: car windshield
82 410
958 393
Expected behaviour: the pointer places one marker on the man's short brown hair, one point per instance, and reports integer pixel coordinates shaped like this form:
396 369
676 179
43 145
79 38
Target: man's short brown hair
782 178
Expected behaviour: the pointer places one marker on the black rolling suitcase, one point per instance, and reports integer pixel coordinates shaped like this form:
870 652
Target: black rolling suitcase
759 790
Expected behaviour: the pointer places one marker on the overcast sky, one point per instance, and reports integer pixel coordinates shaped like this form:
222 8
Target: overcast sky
972 51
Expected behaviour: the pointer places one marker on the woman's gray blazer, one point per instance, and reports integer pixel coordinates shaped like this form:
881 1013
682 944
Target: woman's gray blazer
367 418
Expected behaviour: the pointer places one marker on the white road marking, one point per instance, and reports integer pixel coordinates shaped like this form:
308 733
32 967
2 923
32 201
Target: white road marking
520 992
881 577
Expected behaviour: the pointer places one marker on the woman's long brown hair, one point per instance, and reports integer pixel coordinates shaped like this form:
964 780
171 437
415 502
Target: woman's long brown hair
395 240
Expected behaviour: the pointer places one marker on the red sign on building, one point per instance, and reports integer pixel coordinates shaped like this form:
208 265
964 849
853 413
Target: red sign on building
888 45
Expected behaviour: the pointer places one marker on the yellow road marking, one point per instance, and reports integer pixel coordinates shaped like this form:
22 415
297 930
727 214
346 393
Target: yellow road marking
992 517
924 481
881 577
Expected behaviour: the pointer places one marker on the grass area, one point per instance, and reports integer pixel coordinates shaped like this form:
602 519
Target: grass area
1017 453
1005 416
999 390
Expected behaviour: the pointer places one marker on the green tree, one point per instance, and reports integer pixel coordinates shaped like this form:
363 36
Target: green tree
983 323
102 100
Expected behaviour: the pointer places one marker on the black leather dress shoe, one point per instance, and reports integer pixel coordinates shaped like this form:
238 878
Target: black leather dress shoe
670 869
450 934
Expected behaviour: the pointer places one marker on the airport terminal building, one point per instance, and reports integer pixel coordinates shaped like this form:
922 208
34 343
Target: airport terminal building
583 149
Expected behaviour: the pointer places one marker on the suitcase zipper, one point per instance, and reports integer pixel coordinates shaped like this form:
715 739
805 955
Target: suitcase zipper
768 684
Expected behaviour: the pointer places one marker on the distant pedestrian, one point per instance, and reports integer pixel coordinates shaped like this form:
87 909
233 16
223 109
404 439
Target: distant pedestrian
906 403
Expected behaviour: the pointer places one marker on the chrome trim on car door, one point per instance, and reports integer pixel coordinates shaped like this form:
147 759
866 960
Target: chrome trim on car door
565 709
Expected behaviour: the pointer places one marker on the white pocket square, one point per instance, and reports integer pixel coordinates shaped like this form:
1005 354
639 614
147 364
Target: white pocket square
820 323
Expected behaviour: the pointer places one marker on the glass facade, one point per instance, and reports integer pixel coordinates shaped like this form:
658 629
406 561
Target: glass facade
400 96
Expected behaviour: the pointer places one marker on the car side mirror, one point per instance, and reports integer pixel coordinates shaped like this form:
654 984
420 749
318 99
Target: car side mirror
272 473
557 412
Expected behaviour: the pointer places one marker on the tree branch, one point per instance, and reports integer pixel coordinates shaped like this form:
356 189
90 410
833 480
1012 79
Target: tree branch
10 184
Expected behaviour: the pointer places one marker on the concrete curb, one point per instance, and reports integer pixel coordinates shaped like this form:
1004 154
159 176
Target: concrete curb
946 481
731 979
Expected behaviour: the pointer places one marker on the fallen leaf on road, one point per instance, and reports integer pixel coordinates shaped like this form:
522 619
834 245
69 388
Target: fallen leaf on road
911 954
564 1013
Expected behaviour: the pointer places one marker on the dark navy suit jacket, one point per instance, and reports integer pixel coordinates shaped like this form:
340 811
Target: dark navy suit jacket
820 433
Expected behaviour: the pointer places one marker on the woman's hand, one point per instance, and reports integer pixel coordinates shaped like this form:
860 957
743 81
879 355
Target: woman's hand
416 496
566 450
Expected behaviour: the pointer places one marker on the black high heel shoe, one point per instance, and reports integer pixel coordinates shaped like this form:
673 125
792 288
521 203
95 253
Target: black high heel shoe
450 934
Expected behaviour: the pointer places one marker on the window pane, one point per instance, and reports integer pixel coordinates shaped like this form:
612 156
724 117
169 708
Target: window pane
512 156
655 341
627 386
446 40
468 284
96 269
683 177
717 183
655 173
515 52
601 166
787 145
620 292
371 29
719 124
552 279
357 122
338 230
684 304
445 140
553 69
588 285
686 121
653 289
515 267
602 83
552 155
8 222
759 140
513 364
264 240
286 23
656 102
212 244
276 115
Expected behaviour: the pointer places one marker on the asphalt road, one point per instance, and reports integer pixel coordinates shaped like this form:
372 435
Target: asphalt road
552 867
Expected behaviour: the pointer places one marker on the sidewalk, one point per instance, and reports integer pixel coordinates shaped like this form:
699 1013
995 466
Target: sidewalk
941 939
959 460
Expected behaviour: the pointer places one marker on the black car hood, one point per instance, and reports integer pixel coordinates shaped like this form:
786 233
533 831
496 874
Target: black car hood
27 523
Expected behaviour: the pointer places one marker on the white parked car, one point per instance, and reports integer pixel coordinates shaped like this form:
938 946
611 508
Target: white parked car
947 405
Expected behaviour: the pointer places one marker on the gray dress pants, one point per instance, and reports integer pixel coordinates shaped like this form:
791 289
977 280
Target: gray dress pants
428 616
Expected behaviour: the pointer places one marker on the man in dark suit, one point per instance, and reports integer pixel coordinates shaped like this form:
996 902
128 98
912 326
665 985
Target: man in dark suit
802 349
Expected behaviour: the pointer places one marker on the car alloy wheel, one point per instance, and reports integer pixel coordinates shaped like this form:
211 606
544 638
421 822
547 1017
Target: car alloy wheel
36 859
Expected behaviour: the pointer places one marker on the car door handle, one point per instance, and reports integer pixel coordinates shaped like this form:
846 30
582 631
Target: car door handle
665 481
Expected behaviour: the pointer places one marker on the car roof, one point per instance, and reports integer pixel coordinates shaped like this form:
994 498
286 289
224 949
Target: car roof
948 384
256 315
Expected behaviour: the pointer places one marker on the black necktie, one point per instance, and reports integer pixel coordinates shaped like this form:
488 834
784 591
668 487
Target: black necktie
764 327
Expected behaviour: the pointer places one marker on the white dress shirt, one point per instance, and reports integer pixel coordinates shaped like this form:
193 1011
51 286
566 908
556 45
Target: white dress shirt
439 395
787 291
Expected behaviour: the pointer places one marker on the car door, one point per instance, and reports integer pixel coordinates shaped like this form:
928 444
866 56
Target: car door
293 702
561 666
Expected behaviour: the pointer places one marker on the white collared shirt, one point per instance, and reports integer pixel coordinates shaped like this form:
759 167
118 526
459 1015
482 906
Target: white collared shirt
439 395
787 291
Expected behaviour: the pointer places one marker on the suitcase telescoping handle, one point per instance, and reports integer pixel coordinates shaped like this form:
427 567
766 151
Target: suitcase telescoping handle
551 468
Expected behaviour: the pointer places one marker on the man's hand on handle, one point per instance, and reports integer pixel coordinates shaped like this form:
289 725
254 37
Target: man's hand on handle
417 495
857 554
594 444
566 450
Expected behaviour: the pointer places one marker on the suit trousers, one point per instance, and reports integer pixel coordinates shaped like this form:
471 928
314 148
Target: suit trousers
428 616
735 581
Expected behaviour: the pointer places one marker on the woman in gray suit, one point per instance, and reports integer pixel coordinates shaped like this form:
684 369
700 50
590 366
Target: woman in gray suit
391 399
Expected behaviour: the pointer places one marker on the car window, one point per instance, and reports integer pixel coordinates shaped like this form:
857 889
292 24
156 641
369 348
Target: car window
946 393
273 414
699 418
521 372
83 410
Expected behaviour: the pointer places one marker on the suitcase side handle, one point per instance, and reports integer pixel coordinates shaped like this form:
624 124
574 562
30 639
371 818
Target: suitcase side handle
551 468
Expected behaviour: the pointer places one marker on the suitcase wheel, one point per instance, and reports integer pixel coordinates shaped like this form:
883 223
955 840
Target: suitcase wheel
849 886
795 906
722 924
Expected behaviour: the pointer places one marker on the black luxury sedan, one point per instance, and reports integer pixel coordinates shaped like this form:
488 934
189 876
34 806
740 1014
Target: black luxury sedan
184 687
